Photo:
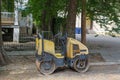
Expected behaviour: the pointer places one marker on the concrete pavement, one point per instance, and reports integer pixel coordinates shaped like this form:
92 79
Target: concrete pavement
107 46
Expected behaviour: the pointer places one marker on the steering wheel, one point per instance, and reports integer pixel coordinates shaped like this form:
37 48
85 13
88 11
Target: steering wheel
58 35
64 39
39 35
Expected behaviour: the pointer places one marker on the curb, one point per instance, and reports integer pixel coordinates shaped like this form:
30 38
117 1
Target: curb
21 53
33 67
105 63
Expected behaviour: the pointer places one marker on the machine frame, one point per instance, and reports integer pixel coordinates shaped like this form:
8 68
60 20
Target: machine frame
74 54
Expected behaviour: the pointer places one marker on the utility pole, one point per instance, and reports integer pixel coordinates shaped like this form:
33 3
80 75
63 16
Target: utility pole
83 22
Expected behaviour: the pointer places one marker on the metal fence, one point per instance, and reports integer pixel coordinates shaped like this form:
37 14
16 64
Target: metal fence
25 43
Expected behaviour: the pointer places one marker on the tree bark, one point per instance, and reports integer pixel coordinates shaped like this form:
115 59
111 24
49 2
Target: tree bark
2 61
71 18
91 24
83 22
46 24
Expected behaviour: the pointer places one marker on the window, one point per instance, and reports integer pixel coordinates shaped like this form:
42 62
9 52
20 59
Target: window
76 49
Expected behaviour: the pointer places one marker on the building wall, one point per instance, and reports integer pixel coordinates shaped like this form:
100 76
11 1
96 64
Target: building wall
78 21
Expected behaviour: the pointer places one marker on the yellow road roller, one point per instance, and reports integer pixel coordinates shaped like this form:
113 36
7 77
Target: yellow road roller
60 51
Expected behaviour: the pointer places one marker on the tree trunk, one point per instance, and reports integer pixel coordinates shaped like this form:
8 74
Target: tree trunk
91 24
45 23
44 26
83 22
2 61
71 18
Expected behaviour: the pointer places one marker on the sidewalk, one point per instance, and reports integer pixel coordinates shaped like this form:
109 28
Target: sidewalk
107 46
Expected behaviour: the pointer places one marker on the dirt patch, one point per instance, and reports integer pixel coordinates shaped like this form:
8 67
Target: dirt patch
28 62
25 60
22 59
94 57
19 61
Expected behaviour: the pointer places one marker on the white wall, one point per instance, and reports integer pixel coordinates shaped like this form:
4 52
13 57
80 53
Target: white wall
78 20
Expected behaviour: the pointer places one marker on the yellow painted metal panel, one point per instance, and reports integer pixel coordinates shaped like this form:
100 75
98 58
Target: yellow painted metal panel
59 55
69 49
36 41
70 43
48 47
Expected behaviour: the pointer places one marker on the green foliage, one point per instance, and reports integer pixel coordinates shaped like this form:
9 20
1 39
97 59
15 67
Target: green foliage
36 7
8 5
59 23
104 11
